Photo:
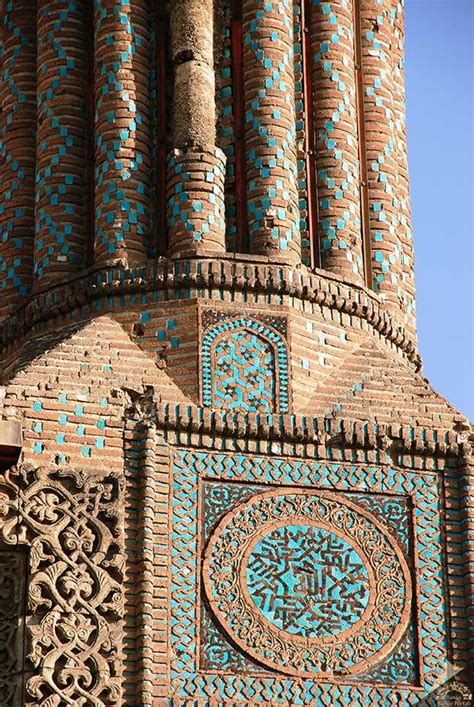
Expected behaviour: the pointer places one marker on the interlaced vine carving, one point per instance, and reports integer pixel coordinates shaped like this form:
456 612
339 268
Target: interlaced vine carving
70 520
12 610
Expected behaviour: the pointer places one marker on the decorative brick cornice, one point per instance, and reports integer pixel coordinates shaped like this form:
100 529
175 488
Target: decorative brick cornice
303 436
244 275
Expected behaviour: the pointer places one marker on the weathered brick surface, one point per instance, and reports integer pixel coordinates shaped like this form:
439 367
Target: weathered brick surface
337 153
71 396
159 398
270 138
60 216
122 130
382 36
196 216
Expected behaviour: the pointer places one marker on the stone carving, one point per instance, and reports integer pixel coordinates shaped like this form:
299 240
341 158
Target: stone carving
308 583
244 367
12 614
70 521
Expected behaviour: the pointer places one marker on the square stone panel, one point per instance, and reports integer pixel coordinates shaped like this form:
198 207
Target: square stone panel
217 650
400 512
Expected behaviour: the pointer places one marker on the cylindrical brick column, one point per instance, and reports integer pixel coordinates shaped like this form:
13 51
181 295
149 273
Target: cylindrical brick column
196 166
270 130
122 128
392 260
403 196
60 234
18 152
227 127
335 125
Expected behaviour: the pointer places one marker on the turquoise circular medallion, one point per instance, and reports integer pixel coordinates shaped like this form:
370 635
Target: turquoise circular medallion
307 581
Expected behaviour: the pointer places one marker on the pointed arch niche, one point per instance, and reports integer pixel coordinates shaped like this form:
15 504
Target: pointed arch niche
244 367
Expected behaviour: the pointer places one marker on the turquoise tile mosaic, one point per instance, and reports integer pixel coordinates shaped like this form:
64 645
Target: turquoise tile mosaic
244 367
60 223
233 485
270 127
122 133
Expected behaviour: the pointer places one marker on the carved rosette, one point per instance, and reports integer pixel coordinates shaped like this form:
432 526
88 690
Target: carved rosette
70 521
308 583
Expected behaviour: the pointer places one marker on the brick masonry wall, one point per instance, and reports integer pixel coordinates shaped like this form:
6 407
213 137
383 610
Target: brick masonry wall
270 129
201 201
337 155
86 396
382 66
169 333
156 398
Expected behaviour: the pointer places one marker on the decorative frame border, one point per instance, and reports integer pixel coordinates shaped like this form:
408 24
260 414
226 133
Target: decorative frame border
191 467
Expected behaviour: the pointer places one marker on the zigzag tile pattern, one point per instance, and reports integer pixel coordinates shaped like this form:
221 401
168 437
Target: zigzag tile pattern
18 150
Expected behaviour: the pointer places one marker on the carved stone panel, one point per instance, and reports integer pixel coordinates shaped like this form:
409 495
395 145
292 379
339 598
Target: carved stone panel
71 522
12 625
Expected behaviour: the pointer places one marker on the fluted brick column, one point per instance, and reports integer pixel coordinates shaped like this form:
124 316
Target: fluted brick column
60 237
195 195
335 124
272 193
403 197
382 65
18 149
122 127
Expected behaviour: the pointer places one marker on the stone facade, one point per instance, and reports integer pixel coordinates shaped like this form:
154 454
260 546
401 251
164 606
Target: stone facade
223 477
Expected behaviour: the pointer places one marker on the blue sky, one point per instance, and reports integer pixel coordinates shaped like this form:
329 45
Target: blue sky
440 123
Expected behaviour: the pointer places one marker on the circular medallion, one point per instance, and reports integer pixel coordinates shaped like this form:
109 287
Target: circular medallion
308 583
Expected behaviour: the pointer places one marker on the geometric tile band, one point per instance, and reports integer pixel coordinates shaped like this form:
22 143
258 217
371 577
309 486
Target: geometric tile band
308 583
244 367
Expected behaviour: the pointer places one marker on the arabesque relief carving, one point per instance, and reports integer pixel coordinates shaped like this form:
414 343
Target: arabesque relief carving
70 523
12 614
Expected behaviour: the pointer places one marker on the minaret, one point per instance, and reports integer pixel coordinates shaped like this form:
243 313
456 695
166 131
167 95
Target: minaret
223 476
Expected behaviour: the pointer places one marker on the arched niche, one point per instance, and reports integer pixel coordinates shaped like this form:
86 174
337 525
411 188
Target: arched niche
244 366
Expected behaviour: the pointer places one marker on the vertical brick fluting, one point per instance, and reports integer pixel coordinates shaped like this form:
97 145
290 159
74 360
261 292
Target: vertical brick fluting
336 138
196 166
122 130
60 229
270 129
18 151
466 478
159 413
403 196
302 130
228 130
390 230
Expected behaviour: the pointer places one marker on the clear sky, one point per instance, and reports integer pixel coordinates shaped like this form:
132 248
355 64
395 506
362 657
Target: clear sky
440 118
